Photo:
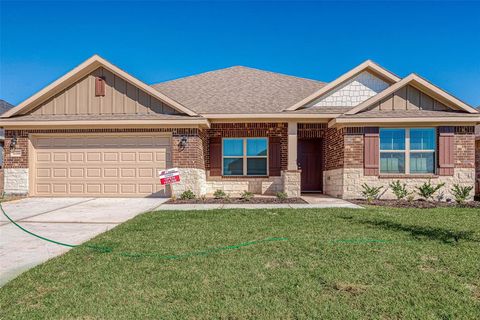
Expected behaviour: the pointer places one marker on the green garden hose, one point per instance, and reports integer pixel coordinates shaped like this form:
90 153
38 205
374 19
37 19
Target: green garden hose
138 255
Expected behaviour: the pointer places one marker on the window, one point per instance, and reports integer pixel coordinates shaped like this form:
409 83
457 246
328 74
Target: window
244 156
410 151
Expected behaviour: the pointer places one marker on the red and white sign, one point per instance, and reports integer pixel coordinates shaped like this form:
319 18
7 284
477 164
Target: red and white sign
169 176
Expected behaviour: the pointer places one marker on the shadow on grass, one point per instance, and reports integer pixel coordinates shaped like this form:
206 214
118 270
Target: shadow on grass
439 234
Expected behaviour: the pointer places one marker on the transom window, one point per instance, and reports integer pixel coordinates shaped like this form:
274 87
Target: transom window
407 151
244 156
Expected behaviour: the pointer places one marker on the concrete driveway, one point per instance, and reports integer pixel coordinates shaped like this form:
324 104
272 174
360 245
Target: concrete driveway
69 220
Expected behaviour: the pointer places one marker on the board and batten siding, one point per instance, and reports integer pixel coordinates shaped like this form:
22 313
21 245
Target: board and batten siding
121 97
409 98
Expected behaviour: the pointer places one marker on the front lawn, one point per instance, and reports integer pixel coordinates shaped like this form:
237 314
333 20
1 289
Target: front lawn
380 263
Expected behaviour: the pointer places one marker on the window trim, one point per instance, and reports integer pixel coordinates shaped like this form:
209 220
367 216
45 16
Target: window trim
245 157
408 152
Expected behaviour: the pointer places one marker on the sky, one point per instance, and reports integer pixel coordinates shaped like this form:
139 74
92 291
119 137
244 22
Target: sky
159 41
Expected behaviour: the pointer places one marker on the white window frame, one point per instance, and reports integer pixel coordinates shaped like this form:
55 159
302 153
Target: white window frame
245 157
407 152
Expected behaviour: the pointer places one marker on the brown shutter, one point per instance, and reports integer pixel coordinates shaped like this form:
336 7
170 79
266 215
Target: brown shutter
215 156
99 87
445 151
371 151
274 156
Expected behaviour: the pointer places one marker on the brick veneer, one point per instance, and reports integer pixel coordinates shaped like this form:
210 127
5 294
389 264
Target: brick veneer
192 156
334 152
344 147
238 130
464 147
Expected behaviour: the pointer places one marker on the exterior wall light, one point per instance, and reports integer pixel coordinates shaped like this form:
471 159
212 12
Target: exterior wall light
13 142
183 142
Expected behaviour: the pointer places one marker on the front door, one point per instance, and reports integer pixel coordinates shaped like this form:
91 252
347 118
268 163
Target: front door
310 162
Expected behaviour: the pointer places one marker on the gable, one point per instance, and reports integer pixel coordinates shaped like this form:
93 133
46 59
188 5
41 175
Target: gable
409 98
413 93
354 91
121 97
83 71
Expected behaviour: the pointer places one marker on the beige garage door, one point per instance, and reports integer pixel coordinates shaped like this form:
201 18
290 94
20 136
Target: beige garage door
106 165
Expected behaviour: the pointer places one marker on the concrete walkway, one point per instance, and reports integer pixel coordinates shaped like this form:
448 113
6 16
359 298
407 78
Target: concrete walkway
68 220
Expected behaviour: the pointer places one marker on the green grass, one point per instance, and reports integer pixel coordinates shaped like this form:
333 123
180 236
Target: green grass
428 268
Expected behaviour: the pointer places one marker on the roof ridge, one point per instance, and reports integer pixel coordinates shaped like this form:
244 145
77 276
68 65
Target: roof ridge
239 67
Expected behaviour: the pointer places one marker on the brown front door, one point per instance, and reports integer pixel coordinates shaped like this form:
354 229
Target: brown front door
310 162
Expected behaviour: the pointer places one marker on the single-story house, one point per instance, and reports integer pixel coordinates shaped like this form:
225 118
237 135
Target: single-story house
4 107
99 131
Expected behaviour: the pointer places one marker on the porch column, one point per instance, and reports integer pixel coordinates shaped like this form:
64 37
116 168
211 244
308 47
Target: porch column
292 145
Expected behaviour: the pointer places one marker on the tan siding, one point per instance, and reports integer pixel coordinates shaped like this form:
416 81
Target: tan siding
409 98
120 98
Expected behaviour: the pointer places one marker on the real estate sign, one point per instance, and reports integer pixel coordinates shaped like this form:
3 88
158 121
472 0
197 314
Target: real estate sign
169 176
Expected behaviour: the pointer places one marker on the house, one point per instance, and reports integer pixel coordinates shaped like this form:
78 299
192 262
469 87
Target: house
99 131
4 106
477 158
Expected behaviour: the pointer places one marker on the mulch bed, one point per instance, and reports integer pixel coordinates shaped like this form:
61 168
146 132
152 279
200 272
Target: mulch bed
416 204
261 200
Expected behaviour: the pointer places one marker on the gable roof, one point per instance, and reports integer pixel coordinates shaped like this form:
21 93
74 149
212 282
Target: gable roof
365 66
238 90
82 70
5 106
421 84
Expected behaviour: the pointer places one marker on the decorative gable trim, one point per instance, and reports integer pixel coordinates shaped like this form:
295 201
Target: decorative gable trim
422 85
354 91
81 71
368 65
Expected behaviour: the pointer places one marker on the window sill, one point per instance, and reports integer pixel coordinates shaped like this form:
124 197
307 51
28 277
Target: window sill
408 176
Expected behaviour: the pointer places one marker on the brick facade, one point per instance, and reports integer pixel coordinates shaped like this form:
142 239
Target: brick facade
245 130
334 152
192 156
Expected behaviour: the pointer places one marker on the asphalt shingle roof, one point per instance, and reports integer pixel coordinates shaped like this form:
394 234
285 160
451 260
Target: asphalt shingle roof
238 90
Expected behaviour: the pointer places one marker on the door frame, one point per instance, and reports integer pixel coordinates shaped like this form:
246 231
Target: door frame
321 164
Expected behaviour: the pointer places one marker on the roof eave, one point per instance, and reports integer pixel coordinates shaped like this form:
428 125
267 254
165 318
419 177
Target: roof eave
405 121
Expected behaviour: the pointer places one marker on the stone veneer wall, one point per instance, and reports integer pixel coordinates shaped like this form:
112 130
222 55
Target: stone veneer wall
346 181
235 186
353 179
190 160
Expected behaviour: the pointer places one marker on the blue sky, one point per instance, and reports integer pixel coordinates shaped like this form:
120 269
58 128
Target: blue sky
158 41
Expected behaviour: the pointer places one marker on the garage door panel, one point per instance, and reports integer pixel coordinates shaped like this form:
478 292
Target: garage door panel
77 157
94 173
76 172
100 166
94 156
59 173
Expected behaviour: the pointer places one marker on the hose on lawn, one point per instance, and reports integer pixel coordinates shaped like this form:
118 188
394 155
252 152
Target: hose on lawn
139 255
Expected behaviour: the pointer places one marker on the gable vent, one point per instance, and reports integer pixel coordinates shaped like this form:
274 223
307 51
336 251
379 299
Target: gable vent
99 86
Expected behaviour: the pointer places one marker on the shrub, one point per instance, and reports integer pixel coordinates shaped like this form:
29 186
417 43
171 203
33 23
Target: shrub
460 193
281 195
187 195
247 195
399 189
427 189
219 194
370 193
